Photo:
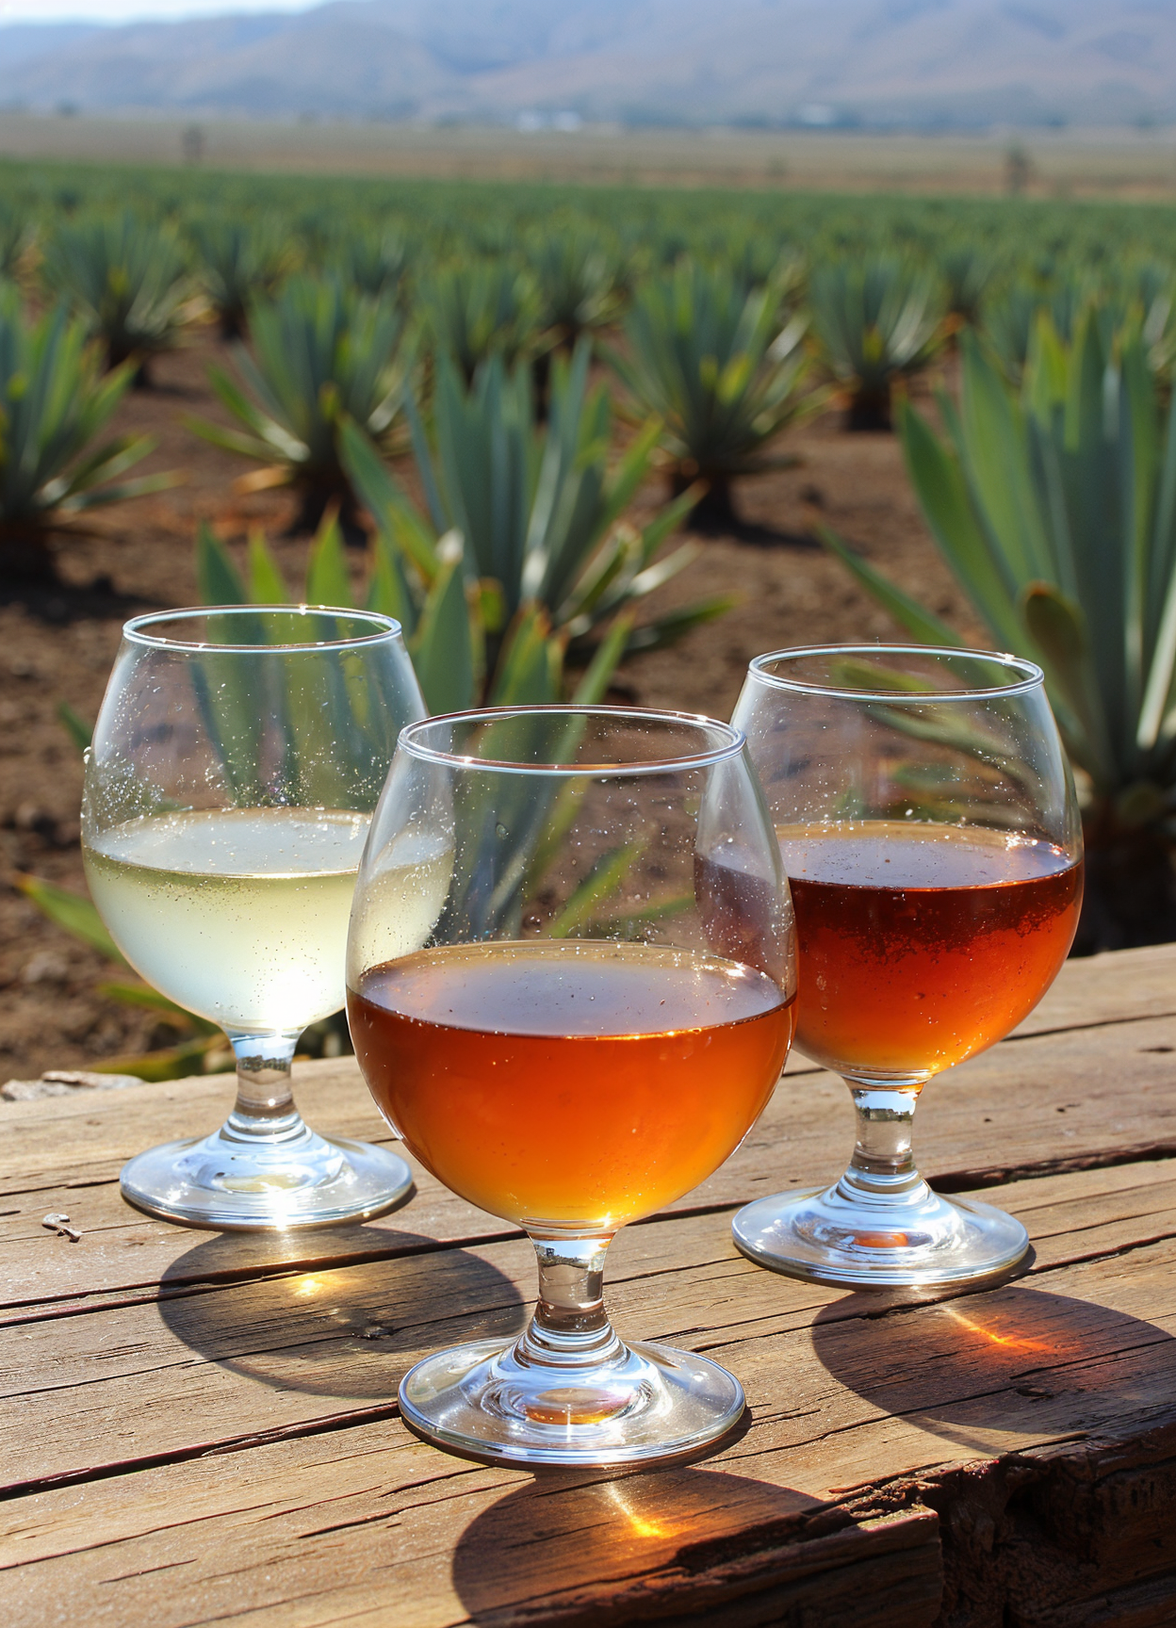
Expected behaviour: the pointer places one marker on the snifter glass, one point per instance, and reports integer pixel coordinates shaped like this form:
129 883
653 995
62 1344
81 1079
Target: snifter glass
235 765
927 821
599 1014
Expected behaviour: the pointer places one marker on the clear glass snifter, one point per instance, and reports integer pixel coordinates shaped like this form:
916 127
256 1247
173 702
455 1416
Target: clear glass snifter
599 1012
235 764
926 817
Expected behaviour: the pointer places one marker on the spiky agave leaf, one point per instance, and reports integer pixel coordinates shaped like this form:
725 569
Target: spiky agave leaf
577 282
539 508
876 320
15 236
54 401
373 263
1055 506
721 368
322 354
967 270
239 261
128 278
479 309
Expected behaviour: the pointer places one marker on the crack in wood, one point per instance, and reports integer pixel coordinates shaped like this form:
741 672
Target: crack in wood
962 1181
183 1455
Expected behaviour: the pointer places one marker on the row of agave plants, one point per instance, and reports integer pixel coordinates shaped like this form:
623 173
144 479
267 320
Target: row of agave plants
723 356
139 282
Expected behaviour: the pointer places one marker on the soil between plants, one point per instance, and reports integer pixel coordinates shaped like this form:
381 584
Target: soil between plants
58 644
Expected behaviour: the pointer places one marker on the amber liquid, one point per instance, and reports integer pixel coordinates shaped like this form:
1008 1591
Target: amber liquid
920 945
574 1084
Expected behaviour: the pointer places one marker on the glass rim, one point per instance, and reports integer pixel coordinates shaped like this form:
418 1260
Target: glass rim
382 627
1030 675
733 740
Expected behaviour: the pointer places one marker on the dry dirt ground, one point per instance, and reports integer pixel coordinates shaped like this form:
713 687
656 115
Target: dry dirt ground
57 645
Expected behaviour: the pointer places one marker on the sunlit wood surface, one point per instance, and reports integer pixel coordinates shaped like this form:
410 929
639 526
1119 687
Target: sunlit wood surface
199 1428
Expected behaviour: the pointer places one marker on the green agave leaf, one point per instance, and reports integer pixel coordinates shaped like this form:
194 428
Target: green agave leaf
176 1063
229 711
1056 626
217 577
113 459
947 506
443 649
922 624
1155 712
267 586
143 995
80 502
492 605
76 727
388 589
675 624
78 916
328 581
670 518
630 924
601 882
380 493
531 664
598 674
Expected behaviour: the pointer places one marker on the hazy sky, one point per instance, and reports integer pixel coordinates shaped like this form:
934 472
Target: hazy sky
122 11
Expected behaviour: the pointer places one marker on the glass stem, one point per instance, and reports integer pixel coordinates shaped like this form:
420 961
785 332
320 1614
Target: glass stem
882 1171
264 1110
570 1327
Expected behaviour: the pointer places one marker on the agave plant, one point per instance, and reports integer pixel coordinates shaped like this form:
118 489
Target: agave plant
480 309
239 262
967 272
1055 506
527 521
1142 294
322 354
15 236
876 320
576 280
1009 323
54 401
128 278
374 263
722 370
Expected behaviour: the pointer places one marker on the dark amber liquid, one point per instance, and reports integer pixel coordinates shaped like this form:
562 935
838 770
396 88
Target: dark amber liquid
574 1084
920 945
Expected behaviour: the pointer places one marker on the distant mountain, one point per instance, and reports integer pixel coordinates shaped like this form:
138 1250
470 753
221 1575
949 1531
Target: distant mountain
935 63
21 42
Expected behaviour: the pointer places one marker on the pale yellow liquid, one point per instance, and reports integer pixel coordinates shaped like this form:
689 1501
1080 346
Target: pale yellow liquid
241 915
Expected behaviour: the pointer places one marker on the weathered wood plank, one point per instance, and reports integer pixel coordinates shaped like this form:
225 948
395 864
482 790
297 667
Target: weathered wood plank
219 1361
1055 1101
505 1550
1005 1459
858 1407
1119 987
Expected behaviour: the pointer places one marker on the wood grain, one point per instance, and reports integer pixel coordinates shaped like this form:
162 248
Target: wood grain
198 1428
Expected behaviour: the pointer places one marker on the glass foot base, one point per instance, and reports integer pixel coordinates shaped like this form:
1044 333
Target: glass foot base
236 1184
825 1237
651 1403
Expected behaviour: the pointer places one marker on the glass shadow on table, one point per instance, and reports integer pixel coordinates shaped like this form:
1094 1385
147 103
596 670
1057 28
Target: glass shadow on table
333 1328
582 1539
982 1370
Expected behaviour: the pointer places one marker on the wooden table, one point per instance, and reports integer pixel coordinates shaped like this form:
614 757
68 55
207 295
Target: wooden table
201 1428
